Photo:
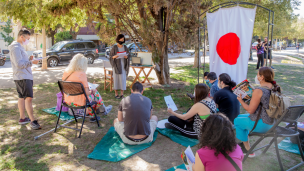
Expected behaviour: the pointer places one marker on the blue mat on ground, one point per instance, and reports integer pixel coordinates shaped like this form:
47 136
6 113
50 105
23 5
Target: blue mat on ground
111 148
287 145
64 115
177 137
182 166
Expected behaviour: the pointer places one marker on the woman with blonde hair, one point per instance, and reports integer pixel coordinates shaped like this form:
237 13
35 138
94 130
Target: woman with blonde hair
76 72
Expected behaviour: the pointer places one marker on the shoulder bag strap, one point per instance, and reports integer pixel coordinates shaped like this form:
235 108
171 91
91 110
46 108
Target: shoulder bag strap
237 168
68 76
257 119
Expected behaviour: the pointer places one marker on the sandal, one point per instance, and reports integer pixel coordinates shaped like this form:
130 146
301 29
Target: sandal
117 97
122 96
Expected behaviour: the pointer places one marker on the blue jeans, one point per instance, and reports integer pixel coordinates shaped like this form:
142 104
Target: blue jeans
243 124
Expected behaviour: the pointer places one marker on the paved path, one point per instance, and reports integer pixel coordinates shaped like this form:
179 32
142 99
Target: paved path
96 69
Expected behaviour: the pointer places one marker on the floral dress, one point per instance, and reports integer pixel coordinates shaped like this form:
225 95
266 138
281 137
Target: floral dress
93 97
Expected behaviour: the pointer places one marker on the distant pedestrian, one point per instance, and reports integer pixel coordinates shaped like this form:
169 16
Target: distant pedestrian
260 54
267 47
23 77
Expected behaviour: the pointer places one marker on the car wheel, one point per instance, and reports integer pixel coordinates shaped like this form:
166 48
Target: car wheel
52 62
90 59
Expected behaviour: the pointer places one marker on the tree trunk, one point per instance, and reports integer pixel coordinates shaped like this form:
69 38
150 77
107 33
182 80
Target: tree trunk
197 60
44 61
162 69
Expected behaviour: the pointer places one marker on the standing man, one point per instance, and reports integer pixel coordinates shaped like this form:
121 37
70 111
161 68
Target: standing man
267 47
23 77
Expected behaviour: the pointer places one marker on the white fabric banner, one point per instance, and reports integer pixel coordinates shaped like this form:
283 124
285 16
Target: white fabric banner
230 33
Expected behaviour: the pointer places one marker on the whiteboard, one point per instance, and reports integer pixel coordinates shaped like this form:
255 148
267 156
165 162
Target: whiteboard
146 58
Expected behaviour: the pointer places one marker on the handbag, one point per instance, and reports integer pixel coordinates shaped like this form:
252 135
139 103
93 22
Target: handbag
59 99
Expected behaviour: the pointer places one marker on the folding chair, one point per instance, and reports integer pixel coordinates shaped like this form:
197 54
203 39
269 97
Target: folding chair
108 75
74 89
291 115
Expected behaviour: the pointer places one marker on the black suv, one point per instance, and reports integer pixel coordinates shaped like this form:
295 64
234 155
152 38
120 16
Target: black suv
65 50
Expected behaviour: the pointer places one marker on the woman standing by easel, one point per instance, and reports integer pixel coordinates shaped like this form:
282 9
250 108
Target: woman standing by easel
120 65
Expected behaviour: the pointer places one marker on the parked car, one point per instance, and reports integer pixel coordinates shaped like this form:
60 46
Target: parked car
65 50
254 45
132 48
3 57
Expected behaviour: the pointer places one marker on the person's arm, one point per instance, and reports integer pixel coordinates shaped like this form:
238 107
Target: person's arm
87 91
212 91
254 102
198 165
16 58
194 110
151 112
112 55
120 115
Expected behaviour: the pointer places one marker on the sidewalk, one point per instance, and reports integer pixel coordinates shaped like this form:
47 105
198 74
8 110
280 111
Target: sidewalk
96 70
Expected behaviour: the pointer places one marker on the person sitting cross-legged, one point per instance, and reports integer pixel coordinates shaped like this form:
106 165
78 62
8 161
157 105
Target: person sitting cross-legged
135 123
189 124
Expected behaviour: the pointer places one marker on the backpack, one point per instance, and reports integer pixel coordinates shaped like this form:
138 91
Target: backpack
278 103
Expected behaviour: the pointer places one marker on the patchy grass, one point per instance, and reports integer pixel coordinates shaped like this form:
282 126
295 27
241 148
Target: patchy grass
62 151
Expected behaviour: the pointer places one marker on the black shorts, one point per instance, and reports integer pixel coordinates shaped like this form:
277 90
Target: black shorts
24 88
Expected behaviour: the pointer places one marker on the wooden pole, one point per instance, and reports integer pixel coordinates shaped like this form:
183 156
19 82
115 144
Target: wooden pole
44 61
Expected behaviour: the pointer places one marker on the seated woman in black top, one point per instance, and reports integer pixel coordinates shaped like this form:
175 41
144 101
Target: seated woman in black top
190 123
225 99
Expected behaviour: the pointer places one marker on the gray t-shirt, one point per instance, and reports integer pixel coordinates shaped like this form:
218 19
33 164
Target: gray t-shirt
20 62
136 110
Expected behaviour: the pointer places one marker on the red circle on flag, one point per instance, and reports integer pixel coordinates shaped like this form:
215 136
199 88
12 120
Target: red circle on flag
229 48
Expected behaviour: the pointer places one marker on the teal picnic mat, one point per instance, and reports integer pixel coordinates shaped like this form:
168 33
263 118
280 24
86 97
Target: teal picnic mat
182 166
111 148
64 115
177 137
287 145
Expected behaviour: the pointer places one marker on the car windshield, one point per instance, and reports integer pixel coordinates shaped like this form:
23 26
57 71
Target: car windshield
57 46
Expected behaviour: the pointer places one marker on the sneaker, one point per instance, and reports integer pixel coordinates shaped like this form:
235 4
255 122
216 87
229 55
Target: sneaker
245 151
24 121
190 95
94 120
35 125
108 109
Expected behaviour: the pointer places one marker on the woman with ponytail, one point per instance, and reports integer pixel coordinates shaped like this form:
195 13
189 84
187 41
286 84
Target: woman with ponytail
258 105
225 99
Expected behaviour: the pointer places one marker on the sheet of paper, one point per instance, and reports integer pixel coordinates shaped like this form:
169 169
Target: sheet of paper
161 124
92 86
190 154
170 103
121 55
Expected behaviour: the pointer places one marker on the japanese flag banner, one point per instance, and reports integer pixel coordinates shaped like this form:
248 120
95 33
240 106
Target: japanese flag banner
230 33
